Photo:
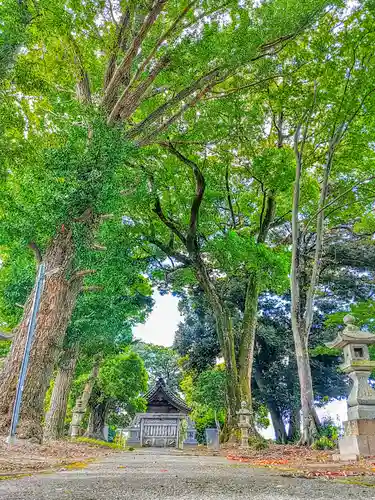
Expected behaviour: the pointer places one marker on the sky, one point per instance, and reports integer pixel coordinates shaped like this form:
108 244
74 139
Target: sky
162 323
160 328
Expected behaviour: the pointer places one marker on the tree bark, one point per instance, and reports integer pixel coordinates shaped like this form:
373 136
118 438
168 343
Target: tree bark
294 425
276 417
56 306
55 417
87 390
225 334
310 420
95 429
246 349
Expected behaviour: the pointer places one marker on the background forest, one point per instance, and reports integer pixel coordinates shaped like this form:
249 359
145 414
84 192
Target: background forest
222 151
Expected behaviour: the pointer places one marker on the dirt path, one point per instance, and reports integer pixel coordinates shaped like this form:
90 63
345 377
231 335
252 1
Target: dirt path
151 475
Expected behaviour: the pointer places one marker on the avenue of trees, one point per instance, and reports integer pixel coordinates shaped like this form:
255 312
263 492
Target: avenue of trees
222 150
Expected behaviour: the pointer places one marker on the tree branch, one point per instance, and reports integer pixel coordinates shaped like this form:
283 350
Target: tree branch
161 110
123 68
128 102
82 274
5 336
122 32
149 139
37 253
341 195
167 221
171 253
191 238
229 197
267 219
163 37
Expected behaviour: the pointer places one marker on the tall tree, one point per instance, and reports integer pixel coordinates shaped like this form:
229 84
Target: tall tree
123 63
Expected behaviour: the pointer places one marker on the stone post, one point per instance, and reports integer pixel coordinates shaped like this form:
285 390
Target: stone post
77 415
244 424
359 430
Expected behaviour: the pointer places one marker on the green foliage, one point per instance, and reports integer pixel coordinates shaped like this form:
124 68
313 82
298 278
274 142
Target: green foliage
97 442
328 436
161 362
4 348
324 443
123 377
206 394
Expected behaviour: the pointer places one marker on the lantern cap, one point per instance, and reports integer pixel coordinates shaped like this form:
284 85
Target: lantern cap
351 335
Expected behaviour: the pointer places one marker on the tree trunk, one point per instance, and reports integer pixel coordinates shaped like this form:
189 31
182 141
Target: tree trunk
246 349
57 303
225 335
276 417
86 394
278 423
310 420
294 425
55 417
95 429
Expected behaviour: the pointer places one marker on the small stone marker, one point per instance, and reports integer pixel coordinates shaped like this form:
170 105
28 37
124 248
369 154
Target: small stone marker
359 430
244 424
77 415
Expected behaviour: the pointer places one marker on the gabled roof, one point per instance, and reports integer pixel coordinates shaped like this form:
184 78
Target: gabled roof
169 395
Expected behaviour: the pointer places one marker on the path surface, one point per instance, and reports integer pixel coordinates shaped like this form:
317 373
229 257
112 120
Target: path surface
149 476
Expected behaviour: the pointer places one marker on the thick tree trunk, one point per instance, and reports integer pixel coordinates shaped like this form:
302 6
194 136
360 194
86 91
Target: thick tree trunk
224 325
57 302
86 395
55 417
95 429
225 335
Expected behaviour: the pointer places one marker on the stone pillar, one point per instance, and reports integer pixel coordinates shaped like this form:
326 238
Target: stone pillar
244 424
359 430
191 434
77 415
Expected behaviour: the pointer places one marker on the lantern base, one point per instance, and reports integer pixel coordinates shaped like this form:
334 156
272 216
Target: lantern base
359 439
361 412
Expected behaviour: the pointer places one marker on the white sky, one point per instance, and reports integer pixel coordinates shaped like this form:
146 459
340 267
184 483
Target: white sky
162 323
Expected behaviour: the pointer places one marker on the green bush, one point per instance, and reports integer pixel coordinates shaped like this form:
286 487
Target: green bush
324 443
97 442
258 443
329 429
328 435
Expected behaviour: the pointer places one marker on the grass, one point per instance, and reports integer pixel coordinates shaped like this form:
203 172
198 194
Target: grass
357 482
97 442
77 465
13 476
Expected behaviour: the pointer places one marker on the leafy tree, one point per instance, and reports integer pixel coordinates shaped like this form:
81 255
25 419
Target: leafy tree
95 82
159 362
121 380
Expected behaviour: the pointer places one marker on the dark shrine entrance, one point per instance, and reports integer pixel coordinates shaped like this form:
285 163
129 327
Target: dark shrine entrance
161 425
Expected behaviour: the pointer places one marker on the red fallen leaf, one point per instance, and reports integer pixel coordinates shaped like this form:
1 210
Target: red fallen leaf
163 470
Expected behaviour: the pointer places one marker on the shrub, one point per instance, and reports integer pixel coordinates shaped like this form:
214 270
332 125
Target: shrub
97 442
324 443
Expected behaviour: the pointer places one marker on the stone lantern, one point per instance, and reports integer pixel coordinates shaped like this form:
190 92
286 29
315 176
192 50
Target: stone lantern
244 424
359 430
77 415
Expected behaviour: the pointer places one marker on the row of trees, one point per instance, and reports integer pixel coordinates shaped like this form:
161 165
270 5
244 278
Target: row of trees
223 149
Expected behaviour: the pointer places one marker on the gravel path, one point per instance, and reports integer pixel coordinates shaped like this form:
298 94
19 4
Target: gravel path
149 476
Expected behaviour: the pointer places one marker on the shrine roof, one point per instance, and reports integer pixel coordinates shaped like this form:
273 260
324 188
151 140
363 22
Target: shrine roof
169 395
